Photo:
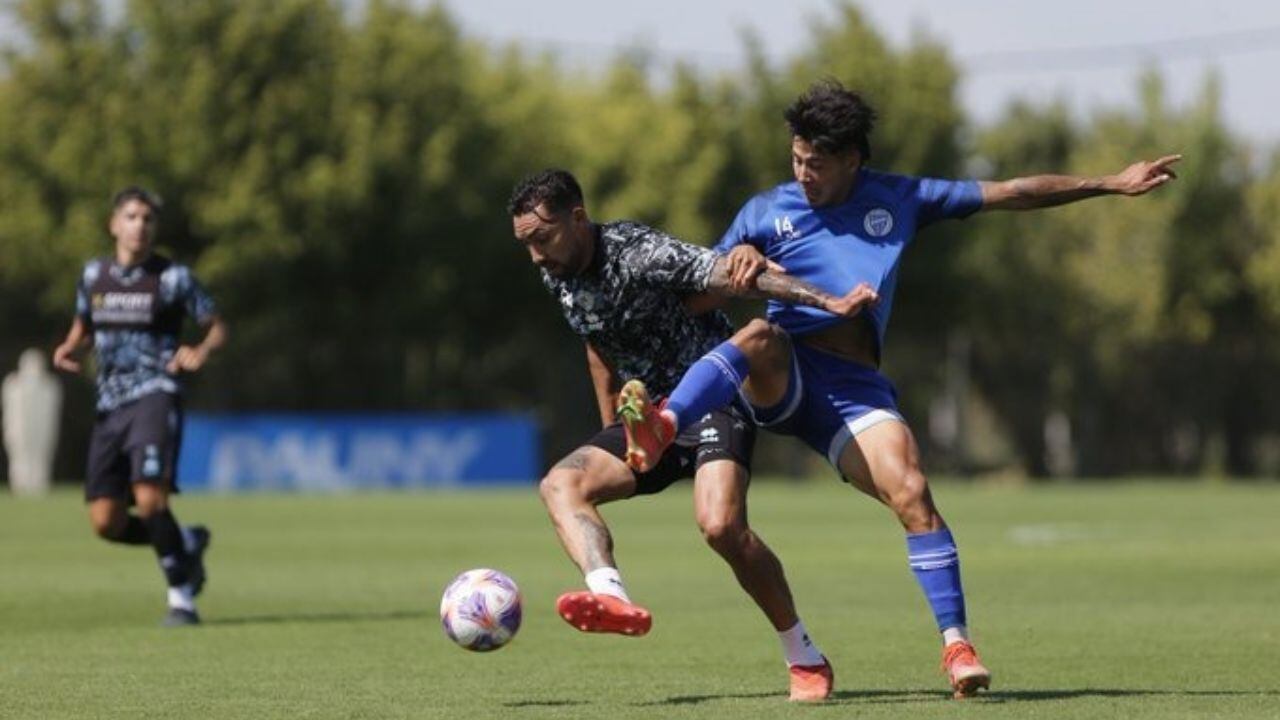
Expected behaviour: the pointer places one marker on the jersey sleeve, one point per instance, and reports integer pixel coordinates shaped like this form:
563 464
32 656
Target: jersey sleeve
743 229
939 199
84 303
660 260
188 291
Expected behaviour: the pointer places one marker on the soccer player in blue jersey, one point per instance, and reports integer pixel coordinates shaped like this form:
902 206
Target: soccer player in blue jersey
624 288
130 307
813 375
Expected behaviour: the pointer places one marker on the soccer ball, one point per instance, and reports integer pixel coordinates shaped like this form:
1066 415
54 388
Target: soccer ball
480 610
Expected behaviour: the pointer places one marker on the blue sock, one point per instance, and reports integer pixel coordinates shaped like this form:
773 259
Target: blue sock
709 384
936 564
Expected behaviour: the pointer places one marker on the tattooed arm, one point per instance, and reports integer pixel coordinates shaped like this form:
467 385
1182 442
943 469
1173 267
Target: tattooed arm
773 285
1039 191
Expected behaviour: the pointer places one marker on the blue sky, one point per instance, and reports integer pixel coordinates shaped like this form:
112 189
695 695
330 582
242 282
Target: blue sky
1088 52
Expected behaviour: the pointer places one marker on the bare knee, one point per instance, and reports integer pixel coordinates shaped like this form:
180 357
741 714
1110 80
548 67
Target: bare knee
108 522
150 499
564 486
108 528
757 337
911 501
728 536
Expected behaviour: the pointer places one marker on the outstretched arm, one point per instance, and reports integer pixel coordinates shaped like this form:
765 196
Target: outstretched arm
1040 191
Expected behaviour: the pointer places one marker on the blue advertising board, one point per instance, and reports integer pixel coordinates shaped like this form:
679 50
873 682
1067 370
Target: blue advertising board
232 453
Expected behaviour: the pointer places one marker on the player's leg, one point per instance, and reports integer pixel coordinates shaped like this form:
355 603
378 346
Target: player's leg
106 488
112 521
167 541
151 443
756 362
720 505
882 460
586 478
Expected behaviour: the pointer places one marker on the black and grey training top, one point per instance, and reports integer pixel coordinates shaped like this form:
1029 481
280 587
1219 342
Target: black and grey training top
629 303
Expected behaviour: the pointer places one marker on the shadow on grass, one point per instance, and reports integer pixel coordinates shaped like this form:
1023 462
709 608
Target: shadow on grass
543 703
1070 694
335 617
1003 696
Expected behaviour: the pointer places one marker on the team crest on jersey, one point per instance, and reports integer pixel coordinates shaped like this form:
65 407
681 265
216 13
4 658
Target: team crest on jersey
878 222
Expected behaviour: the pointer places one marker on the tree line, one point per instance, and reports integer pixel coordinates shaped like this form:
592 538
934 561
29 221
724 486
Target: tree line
338 177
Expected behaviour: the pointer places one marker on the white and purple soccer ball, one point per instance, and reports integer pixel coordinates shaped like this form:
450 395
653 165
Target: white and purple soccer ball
480 610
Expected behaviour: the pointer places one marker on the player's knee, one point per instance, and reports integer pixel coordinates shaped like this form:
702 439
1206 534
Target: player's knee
562 486
910 499
149 501
726 535
108 527
755 337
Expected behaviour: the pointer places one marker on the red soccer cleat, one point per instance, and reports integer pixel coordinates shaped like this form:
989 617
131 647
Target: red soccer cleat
649 431
811 683
964 669
591 612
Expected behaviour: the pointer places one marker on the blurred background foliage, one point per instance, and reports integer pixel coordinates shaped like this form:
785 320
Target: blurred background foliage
338 178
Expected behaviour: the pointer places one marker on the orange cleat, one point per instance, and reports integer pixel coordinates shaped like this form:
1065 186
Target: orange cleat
649 431
591 612
811 683
964 669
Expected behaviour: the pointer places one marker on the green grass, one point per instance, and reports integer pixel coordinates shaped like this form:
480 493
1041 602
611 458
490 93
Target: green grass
1131 601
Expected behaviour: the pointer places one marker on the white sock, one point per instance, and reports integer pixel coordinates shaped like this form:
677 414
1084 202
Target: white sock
798 648
607 581
182 597
955 634
188 539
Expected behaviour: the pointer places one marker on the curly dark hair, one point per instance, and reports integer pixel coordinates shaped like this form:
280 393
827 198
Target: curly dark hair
556 188
832 119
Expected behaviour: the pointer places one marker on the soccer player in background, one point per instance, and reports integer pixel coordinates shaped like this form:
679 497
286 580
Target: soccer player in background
623 287
130 307
815 375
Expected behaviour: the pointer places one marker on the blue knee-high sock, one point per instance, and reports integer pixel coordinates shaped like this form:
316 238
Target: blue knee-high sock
709 384
936 564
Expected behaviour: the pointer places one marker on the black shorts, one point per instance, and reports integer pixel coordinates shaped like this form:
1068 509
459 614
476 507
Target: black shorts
722 435
135 443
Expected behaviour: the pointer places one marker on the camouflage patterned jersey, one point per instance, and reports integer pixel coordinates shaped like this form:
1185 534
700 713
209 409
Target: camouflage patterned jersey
135 314
628 304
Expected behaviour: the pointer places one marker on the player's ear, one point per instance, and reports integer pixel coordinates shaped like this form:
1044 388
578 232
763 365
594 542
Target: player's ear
579 214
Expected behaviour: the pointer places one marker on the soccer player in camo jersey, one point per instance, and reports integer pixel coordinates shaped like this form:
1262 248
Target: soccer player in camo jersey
816 376
130 308
627 290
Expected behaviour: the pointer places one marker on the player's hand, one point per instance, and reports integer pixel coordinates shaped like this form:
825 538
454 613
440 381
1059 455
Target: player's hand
63 358
745 265
860 297
1143 177
187 359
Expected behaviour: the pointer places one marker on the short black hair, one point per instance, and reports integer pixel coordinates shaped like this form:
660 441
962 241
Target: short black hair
832 119
555 188
139 193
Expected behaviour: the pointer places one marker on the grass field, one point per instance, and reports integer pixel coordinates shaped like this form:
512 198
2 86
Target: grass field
1087 601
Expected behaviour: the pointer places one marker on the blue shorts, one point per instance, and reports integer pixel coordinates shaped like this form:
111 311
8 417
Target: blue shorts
828 401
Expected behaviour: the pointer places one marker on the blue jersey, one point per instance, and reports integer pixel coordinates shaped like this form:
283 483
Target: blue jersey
859 240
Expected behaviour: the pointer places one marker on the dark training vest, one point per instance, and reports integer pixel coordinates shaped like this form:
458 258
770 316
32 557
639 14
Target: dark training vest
117 305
